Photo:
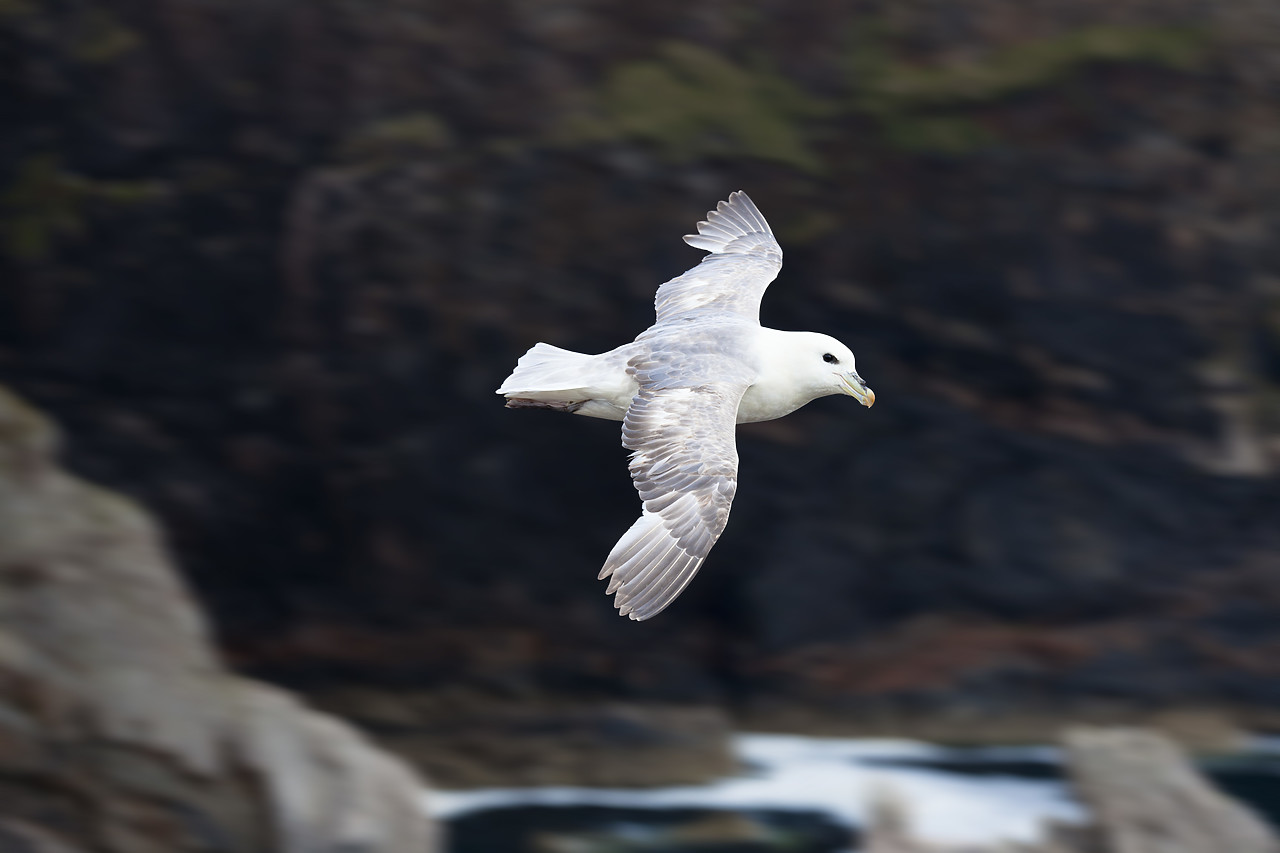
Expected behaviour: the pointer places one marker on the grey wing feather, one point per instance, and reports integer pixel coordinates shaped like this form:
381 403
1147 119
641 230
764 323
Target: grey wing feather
685 467
744 259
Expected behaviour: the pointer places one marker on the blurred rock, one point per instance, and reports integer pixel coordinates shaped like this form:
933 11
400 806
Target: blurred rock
20 837
1144 797
120 731
464 740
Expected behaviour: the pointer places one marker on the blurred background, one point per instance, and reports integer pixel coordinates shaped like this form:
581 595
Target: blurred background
265 264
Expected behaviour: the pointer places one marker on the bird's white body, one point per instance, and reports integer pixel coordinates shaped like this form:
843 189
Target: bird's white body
679 388
603 388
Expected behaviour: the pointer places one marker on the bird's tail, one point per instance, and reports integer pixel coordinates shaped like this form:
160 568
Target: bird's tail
545 369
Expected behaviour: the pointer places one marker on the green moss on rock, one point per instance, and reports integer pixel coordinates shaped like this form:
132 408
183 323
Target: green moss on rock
1031 65
919 108
46 202
397 136
101 37
690 102
41 205
11 10
939 134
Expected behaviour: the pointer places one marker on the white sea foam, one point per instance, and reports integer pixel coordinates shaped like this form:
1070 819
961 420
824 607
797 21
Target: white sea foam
833 775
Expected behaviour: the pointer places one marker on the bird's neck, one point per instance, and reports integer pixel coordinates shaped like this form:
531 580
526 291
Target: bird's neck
775 392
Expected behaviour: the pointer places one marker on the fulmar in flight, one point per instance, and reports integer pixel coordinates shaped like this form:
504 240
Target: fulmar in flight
679 388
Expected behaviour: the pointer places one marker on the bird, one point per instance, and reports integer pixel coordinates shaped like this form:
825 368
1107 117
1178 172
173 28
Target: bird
680 388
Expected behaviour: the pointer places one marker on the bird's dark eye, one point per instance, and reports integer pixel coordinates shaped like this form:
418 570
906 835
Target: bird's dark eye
830 359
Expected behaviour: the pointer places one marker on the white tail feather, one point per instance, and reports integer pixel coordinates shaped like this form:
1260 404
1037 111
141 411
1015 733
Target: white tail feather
546 368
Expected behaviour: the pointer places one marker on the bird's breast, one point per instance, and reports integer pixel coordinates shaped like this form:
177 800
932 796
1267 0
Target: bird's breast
765 401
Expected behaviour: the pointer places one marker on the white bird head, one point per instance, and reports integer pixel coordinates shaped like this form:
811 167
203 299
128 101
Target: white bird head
828 367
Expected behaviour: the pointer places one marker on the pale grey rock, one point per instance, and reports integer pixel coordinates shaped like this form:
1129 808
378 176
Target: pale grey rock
120 730
1145 797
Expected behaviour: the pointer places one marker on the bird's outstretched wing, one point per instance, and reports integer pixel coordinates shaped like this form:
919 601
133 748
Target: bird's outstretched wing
744 259
680 428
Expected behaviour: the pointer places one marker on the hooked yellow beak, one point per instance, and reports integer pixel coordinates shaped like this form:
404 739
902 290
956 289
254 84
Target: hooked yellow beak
853 385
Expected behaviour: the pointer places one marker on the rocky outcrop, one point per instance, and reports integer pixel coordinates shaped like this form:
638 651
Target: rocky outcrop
1143 795
120 730
1146 798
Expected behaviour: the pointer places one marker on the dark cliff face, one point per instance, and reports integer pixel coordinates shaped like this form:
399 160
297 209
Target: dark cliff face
267 263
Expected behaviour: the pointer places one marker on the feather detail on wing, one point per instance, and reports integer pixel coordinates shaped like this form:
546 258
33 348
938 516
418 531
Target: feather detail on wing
685 467
736 226
744 259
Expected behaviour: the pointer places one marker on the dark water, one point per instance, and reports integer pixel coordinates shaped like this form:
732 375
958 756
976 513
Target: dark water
1255 782
1253 779
606 829
963 765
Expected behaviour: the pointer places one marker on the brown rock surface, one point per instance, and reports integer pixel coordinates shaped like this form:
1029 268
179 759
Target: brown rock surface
120 731
465 740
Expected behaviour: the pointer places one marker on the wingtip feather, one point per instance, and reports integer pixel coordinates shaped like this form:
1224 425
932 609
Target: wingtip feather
649 569
733 219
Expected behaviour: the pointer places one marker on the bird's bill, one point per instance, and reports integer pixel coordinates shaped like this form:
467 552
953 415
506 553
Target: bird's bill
853 385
